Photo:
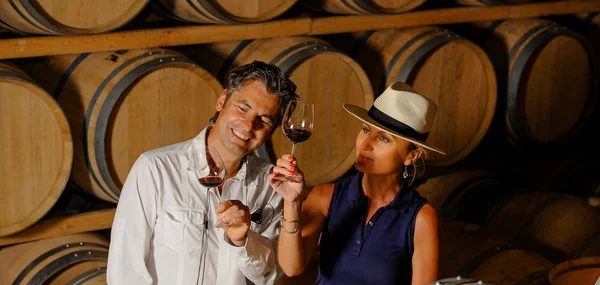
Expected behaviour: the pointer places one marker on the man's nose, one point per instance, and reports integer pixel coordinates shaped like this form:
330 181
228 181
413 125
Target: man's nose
247 123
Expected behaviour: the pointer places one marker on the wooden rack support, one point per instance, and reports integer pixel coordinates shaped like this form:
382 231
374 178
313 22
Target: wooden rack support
79 223
200 34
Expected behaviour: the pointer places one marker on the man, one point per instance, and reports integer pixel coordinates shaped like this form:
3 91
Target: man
164 228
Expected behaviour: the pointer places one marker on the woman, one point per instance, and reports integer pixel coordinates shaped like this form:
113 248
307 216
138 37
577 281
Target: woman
375 228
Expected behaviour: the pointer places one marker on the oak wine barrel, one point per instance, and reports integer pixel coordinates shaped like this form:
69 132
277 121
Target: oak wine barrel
569 173
37 150
481 256
223 11
358 7
593 21
459 280
74 259
577 271
548 88
491 2
443 66
445 191
557 226
125 103
67 17
324 76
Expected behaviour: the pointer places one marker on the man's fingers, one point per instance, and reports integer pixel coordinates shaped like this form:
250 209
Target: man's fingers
234 210
232 217
220 207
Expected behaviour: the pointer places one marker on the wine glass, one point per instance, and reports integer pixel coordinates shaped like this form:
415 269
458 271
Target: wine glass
298 121
210 171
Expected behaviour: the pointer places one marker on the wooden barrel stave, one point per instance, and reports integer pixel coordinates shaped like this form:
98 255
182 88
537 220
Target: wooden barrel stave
557 226
223 11
434 62
325 77
443 192
117 93
52 260
87 272
576 271
571 173
37 150
51 17
358 7
540 108
491 2
482 256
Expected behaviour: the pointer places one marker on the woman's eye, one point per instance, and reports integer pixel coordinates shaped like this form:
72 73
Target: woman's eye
384 139
242 109
366 131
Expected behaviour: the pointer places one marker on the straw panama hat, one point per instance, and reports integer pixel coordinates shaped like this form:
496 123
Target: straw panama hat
402 112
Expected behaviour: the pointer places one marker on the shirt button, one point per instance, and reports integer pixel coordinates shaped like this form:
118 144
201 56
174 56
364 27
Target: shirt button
358 242
370 223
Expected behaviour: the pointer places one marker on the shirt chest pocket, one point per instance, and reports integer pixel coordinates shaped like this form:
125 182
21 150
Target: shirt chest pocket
184 229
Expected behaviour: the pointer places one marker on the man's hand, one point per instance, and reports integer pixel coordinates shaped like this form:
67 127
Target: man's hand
235 218
287 179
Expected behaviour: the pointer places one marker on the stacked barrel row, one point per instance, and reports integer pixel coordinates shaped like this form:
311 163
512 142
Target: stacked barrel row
120 104
89 116
73 259
65 17
517 229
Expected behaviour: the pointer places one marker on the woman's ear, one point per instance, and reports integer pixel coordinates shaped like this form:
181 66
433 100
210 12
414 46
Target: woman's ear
414 155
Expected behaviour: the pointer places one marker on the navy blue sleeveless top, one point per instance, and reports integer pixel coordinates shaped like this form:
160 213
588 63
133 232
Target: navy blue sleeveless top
378 253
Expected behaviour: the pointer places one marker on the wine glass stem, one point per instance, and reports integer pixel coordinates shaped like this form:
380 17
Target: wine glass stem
293 148
217 194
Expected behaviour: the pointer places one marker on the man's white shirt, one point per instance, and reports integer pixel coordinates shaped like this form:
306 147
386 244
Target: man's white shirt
163 231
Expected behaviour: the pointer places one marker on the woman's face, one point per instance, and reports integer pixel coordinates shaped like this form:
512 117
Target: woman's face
378 152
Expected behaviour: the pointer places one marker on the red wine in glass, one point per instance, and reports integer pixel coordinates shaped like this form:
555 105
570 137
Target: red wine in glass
210 171
296 135
211 181
298 121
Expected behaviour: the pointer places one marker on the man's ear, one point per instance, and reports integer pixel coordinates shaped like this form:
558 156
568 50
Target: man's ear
221 101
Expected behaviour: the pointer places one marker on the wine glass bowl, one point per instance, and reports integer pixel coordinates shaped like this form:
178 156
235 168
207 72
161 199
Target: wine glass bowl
210 171
208 166
298 122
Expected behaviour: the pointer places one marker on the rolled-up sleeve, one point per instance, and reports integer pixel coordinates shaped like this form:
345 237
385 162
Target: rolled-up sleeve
257 259
133 227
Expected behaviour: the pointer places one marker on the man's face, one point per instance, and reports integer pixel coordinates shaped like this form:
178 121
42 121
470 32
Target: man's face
245 121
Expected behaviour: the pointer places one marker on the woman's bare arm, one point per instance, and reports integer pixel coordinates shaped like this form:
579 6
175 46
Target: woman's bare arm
296 249
426 243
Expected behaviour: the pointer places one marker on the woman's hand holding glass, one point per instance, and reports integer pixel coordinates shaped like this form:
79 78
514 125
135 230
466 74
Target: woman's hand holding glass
287 179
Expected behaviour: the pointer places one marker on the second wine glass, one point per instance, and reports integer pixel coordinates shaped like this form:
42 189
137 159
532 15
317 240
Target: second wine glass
298 122
209 169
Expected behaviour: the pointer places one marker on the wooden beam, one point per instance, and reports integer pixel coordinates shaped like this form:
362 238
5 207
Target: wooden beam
344 24
200 34
79 223
164 37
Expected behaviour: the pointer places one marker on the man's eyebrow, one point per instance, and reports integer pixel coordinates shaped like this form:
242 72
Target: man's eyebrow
245 103
268 116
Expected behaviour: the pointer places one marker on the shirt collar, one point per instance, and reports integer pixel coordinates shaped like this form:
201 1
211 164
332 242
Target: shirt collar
400 203
199 143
